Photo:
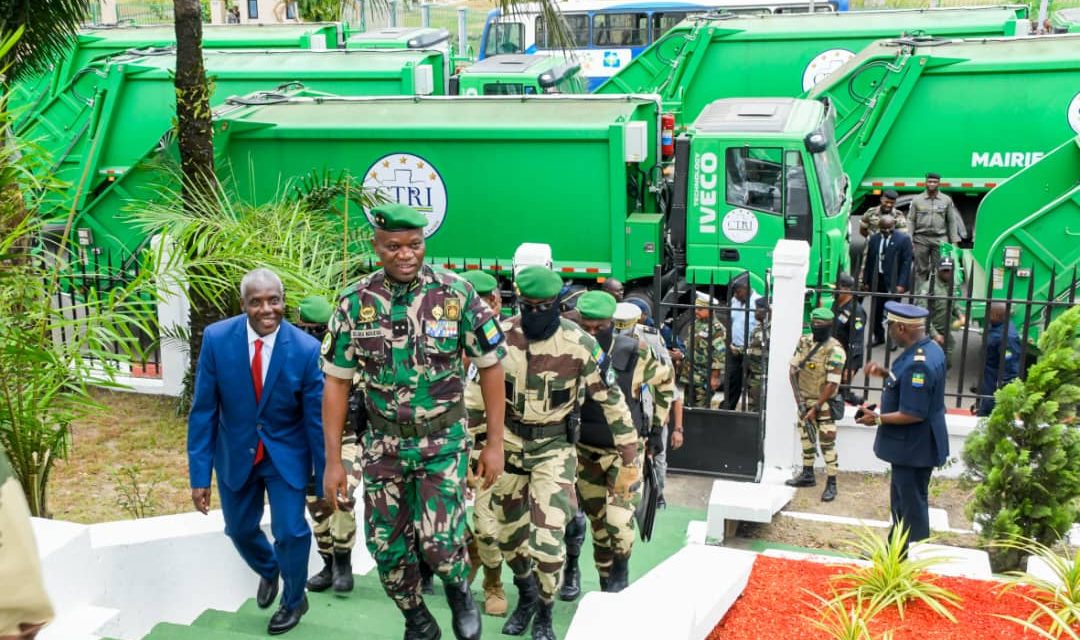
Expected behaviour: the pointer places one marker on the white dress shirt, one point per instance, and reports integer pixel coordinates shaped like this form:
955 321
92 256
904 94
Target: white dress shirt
267 347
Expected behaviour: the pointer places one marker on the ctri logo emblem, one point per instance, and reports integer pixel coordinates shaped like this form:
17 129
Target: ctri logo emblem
740 225
822 65
412 181
1074 113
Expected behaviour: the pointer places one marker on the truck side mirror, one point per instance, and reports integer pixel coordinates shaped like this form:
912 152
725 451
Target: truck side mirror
816 142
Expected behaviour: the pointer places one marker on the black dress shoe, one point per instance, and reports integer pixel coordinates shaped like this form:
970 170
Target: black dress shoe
285 619
267 592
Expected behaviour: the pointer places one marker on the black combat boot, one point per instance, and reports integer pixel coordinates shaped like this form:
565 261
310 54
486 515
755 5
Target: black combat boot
528 600
542 625
804 479
420 624
571 586
619 576
466 614
322 580
343 578
830 490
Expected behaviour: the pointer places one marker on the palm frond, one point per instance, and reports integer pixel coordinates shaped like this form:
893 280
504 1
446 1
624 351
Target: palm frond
50 27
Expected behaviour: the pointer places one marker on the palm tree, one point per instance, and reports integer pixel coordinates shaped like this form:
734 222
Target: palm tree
48 27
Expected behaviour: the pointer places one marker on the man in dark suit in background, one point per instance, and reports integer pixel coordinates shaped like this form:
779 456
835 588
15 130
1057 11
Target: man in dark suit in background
256 420
887 270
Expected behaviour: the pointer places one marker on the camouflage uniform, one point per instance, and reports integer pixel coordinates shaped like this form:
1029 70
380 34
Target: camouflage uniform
336 530
26 601
611 516
535 498
824 366
485 525
933 221
757 359
698 360
942 312
407 340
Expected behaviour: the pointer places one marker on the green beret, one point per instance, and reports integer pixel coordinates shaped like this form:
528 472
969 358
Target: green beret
597 305
483 282
397 217
821 313
316 309
538 283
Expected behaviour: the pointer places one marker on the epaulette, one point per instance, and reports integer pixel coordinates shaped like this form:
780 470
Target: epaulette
647 329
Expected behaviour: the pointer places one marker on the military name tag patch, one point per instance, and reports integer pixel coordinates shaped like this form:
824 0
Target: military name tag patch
918 379
365 333
440 329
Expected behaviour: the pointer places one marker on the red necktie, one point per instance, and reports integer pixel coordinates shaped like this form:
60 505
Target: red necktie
256 378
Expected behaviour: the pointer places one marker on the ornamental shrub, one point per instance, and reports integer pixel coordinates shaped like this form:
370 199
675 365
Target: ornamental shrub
1026 456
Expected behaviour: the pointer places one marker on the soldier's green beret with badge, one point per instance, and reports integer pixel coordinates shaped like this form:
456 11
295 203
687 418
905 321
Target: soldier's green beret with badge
397 217
539 283
483 282
596 305
316 310
821 313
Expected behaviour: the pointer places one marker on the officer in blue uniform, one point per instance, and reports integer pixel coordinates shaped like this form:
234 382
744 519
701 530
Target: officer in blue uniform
911 432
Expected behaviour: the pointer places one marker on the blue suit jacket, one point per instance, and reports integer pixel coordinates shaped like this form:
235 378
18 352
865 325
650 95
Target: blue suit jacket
225 424
898 259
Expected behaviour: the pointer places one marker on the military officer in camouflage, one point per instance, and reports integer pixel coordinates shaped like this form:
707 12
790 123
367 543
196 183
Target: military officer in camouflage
702 372
611 514
758 354
816 370
550 362
934 219
334 530
869 224
405 328
944 308
485 527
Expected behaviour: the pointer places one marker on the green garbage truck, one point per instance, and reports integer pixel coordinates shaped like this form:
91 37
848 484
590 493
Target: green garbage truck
704 59
975 111
512 74
110 117
102 42
586 175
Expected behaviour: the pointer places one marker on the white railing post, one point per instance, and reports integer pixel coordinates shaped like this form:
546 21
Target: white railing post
173 320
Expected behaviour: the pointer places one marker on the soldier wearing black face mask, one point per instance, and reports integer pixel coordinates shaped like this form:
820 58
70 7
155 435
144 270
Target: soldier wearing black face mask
816 371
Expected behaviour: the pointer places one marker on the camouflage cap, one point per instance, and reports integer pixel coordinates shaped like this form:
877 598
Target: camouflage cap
397 217
821 313
539 283
483 282
596 305
316 309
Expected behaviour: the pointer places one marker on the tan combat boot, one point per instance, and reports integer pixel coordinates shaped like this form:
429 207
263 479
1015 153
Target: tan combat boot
494 596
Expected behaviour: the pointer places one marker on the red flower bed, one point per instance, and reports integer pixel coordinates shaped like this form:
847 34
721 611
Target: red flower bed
775 601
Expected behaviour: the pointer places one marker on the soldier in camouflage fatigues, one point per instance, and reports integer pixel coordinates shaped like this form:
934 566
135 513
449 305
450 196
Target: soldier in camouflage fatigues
636 369
405 328
757 354
944 311
870 222
705 365
550 362
24 607
816 371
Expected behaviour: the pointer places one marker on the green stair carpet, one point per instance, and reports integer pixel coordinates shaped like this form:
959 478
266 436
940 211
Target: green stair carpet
368 614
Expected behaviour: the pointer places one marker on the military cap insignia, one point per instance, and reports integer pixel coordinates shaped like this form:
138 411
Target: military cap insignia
367 313
327 343
436 313
453 309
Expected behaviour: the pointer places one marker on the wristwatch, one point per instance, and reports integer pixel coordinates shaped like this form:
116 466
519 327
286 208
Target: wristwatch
877 420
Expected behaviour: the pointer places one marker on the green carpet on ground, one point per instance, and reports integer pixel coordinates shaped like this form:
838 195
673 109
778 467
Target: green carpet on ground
367 612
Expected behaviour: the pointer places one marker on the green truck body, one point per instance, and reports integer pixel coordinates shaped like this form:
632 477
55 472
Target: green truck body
1065 21
582 174
512 74
96 44
706 59
108 119
1030 225
975 111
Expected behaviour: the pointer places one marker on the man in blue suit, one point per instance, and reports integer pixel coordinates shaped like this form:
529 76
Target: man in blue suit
911 432
887 270
257 421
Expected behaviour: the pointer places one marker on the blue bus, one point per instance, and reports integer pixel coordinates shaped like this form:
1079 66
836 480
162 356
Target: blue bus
607 35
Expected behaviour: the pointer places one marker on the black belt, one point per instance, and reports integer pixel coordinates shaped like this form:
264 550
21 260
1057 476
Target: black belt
419 429
536 431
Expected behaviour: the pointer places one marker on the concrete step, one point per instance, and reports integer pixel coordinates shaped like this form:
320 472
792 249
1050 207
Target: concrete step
747 501
81 623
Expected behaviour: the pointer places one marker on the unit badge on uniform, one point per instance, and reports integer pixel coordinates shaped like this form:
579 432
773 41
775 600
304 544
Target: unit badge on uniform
920 356
327 343
367 313
453 310
436 313
918 379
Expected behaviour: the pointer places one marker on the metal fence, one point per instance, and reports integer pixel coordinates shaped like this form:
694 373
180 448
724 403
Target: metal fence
144 12
87 275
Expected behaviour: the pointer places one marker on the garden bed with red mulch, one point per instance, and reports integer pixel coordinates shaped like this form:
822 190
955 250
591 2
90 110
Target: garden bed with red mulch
776 605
